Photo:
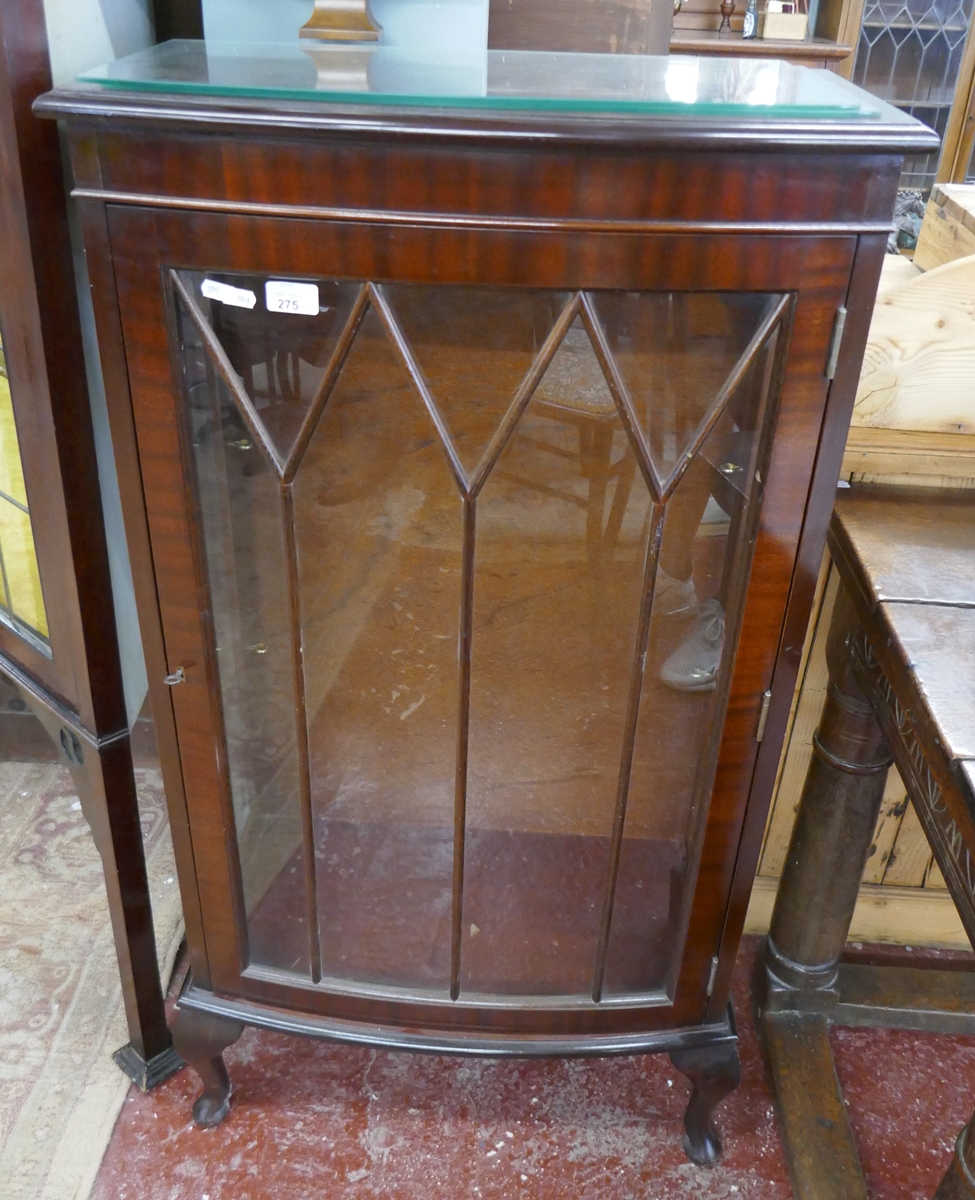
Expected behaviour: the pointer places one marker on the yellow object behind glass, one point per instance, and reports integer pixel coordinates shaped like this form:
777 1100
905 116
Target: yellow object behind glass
20 584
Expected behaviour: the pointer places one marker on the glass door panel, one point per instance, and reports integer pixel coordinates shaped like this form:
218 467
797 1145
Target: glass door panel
379 527
21 601
476 561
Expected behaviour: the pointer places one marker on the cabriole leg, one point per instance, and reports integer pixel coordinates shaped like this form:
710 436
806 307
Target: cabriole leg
715 1072
200 1039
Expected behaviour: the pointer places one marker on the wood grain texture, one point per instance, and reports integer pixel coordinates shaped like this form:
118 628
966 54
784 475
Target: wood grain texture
910 855
939 528
898 916
920 543
948 228
819 1144
892 809
939 643
959 138
909 456
920 359
107 321
854 141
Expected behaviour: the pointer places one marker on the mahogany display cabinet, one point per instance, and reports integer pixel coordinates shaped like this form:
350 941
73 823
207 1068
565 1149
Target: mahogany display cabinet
479 436
62 682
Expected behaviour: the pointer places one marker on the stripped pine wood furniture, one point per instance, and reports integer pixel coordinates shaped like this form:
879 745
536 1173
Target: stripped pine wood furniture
911 430
419 705
948 228
901 669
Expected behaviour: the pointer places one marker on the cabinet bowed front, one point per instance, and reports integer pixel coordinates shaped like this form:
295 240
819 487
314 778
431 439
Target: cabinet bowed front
478 465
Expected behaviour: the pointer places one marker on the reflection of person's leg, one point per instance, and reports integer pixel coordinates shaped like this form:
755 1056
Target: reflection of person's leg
693 665
684 512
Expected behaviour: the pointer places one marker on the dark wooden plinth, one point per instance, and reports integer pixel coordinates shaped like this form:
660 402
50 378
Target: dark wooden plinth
900 659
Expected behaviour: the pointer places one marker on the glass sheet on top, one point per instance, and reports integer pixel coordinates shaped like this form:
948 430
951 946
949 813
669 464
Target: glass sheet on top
496 79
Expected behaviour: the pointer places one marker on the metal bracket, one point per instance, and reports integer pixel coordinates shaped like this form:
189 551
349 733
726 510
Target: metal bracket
839 324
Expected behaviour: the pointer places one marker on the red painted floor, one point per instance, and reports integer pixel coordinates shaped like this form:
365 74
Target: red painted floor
318 1120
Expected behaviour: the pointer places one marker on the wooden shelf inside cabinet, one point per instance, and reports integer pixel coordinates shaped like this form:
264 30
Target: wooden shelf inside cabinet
812 53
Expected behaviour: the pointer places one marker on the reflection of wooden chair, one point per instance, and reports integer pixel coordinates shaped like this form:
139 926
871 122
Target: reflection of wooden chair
600 27
595 432
279 342
573 391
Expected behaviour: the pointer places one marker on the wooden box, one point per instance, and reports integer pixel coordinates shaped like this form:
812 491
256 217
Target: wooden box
786 27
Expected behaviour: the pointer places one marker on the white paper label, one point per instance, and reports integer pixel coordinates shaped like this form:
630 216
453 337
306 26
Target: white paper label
238 297
282 296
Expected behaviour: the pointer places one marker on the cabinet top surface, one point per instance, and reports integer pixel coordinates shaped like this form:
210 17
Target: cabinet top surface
322 80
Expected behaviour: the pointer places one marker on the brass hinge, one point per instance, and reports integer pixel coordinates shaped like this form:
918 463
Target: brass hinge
763 715
714 974
839 324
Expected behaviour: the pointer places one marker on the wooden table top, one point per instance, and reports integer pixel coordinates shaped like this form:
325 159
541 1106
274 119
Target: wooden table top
910 554
911 544
938 645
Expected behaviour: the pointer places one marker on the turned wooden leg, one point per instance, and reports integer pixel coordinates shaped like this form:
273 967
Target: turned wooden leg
832 835
959 1182
200 1039
715 1071
813 910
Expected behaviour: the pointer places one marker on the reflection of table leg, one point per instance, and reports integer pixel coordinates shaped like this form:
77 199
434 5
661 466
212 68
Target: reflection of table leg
105 781
813 910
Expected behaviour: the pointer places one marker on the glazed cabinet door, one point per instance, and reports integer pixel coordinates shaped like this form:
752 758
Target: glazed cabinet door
453 533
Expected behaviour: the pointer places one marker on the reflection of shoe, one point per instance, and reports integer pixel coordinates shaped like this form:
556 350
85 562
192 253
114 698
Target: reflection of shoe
673 596
694 664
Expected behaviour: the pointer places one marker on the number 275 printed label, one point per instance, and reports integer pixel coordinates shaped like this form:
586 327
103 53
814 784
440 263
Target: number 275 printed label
285 297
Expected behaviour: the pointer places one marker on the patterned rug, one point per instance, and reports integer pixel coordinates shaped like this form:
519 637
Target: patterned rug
61 1013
